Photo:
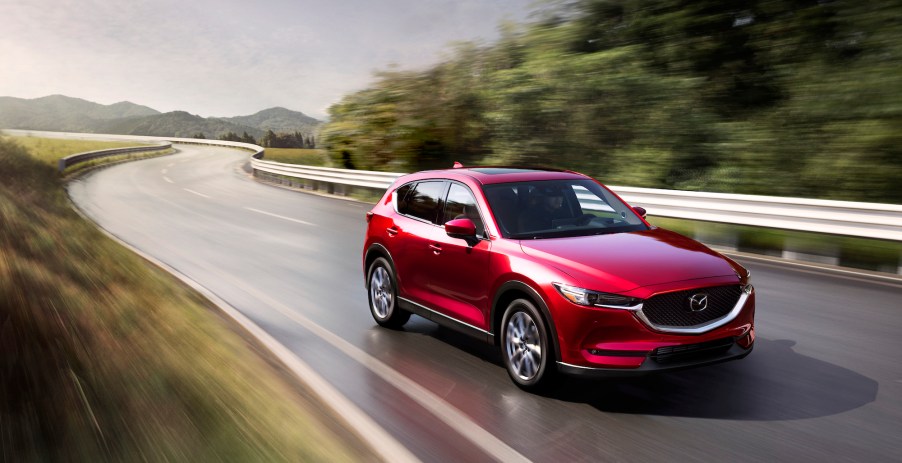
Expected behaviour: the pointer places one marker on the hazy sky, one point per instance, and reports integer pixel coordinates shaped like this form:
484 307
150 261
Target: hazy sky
229 58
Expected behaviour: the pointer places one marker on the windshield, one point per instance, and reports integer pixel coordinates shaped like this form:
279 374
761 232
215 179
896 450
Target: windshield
558 208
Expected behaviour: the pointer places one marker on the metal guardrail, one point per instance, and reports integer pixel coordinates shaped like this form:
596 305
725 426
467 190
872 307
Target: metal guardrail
866 220
359 178
80 158
257 150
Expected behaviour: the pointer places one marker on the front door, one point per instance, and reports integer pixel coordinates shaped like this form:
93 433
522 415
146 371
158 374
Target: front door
457 277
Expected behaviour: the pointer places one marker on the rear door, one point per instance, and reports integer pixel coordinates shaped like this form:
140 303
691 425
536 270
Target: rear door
415 228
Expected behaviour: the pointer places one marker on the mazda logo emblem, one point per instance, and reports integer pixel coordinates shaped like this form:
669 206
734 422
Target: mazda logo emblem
698 302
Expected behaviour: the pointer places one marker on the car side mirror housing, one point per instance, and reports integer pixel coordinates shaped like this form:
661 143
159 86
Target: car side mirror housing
463 228
460 228
640 210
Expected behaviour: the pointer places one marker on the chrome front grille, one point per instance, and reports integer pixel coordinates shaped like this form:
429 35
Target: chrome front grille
675 309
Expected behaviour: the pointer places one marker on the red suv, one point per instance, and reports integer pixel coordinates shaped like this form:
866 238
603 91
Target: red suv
557 270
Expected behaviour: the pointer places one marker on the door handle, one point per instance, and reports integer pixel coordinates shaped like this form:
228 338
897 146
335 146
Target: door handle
392 231
436 248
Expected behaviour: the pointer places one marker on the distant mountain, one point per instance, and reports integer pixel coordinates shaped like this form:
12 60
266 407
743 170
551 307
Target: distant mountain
175 124
66 114
58 112
278 120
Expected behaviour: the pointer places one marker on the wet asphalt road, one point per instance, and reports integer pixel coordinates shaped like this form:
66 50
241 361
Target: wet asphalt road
823 384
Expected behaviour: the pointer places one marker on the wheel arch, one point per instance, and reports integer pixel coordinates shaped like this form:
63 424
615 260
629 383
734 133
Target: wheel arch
374 252
516 289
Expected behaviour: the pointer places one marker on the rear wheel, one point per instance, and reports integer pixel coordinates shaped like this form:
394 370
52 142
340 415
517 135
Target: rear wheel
525 346
383 296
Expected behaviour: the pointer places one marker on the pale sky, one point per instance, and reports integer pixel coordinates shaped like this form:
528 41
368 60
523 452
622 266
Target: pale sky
229 58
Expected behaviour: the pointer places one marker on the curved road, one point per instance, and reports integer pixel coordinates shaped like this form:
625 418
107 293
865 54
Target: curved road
824 382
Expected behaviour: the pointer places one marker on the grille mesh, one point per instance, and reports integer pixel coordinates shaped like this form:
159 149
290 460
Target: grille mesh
672 309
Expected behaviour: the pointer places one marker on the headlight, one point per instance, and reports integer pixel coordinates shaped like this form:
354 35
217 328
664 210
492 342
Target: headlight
746 283
587 297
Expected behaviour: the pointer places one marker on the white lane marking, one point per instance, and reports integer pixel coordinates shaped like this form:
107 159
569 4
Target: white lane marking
167 179
378 438
164 171
280 216
444 411
198 194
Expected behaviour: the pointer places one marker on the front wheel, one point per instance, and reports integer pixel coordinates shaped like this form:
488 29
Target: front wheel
383 296
525 346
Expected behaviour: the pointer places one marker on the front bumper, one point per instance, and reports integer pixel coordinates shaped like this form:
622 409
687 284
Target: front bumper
652 364
606 342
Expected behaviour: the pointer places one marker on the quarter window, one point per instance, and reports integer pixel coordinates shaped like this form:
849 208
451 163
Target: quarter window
400 194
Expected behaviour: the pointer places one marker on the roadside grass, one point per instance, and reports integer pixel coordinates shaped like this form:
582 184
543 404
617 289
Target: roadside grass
310 157
51 150
107 358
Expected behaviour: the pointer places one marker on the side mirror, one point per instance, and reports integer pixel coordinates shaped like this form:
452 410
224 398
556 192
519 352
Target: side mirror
640 210
461 228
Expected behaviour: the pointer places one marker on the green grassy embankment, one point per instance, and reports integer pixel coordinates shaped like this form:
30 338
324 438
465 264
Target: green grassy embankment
51 150
107 358
308 157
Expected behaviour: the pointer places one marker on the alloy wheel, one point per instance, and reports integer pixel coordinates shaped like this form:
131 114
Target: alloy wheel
523 345
381 293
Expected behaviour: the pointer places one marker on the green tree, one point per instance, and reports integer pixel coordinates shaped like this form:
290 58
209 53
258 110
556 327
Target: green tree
786 97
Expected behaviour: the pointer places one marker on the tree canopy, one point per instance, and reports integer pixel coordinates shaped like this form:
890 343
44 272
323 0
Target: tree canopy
776 97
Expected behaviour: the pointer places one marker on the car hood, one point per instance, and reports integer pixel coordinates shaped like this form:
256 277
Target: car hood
621 262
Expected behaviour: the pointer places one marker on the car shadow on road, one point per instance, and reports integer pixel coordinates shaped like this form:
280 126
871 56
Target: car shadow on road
772 383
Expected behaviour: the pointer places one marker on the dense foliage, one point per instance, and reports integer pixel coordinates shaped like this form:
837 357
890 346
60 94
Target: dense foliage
777 97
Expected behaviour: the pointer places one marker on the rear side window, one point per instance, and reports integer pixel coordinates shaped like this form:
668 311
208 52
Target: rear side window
422 201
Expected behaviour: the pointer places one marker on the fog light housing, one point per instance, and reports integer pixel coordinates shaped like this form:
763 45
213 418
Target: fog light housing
747 340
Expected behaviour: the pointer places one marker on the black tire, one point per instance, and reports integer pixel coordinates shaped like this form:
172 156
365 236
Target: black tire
526 347
381 289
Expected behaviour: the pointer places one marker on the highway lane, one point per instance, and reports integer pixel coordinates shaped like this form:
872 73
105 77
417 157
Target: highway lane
824 382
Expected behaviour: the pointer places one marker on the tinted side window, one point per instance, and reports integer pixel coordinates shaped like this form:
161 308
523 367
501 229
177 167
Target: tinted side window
400 194
461 204
422 202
